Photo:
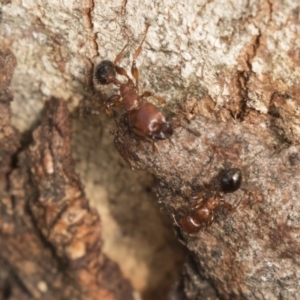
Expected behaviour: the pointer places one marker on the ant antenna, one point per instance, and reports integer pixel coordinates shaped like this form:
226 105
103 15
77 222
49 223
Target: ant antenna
139 49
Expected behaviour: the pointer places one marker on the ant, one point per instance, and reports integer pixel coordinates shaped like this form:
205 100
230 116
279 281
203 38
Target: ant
202 213
144 118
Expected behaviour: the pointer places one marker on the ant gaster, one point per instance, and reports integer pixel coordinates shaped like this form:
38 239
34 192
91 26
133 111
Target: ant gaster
202 213
144 118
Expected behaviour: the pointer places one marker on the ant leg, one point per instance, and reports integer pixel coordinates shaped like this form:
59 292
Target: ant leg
142 134
119 56
120 70
209 222
228 207
135 73
113 101
158 98
134 70
139 49
239 202
175 221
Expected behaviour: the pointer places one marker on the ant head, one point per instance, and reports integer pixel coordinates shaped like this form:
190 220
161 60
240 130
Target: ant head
231 180
104 72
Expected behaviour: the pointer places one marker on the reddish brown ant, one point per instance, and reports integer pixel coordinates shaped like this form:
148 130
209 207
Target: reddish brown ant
202 213
144 118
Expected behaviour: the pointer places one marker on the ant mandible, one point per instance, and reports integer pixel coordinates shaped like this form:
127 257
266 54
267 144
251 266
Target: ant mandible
145 119
202 213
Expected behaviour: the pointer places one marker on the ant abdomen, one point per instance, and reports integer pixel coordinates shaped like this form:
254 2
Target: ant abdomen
149 121
189 225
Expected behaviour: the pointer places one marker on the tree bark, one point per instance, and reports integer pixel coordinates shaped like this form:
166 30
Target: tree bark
229 72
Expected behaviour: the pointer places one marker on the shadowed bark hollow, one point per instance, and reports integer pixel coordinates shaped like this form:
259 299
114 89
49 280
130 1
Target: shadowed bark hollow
50 238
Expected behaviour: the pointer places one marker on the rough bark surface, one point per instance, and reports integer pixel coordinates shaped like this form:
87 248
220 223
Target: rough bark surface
229 71
252 252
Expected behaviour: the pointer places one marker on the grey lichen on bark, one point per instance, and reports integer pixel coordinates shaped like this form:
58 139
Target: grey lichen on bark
232 68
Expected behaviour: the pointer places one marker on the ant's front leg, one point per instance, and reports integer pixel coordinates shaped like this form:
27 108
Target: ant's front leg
121 71
113 101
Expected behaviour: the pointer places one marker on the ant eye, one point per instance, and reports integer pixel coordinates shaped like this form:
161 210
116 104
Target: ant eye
231 180
103 71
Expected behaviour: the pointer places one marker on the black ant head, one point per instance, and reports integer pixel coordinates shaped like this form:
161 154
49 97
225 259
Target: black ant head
104 71
231 180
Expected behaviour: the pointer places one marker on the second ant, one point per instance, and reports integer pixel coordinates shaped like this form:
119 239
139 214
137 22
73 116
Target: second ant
202 212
